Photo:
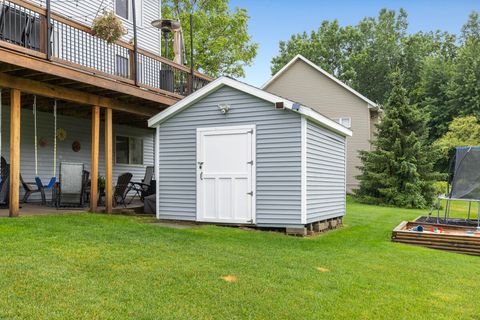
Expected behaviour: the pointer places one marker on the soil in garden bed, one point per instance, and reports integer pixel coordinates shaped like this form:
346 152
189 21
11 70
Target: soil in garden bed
451 221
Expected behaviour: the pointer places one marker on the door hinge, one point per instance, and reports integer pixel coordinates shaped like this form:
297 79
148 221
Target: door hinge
250 131
250 162
250 221
250 193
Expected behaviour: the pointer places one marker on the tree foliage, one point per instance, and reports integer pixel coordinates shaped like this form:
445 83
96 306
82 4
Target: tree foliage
462 132
399 171
450 83
222 45
441 71
365 55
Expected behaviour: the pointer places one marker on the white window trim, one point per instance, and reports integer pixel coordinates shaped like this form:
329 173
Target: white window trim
139 6
129 164
128 10
341 120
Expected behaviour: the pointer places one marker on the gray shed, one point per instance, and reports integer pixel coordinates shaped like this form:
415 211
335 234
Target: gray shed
232 153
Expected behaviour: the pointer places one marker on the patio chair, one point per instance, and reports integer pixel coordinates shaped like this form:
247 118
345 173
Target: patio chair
85 187
30 189
121 188
70 187
5 186
141 189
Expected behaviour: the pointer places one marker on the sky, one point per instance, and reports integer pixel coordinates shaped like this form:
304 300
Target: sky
274 20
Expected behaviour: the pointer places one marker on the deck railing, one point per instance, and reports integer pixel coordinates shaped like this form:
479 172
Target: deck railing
63 40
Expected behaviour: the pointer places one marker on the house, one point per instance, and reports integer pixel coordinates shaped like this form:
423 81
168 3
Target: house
303 81
232 153
104 93
85 11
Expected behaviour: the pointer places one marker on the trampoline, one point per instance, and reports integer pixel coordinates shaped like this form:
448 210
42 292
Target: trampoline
463 182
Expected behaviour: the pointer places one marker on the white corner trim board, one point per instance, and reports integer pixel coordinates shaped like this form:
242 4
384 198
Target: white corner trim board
370 103
157 172
225 81
304 170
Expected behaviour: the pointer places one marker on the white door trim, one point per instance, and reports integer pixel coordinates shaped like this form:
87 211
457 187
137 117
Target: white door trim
227 130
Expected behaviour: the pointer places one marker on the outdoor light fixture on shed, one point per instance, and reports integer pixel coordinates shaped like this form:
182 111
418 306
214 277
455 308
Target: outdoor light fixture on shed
224 108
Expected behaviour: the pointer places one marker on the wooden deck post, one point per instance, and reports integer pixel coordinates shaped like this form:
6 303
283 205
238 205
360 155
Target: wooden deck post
108 161
95 150
14 152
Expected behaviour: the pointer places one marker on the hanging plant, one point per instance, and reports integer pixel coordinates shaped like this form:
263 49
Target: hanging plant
61 134
108 27
42 142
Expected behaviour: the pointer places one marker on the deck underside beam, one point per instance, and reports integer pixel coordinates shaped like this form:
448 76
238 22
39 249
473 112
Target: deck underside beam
76 74
81 97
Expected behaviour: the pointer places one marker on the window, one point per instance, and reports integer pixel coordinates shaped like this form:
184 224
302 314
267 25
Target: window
121 8
345 121
128 150
121 66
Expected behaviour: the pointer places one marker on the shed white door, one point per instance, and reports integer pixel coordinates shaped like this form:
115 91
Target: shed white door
226 174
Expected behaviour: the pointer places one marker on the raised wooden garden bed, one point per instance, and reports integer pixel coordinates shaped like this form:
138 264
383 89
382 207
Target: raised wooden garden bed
461 239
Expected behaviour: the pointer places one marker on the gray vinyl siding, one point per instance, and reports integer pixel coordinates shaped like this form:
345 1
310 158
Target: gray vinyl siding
77 129
278 152
85 11
325 174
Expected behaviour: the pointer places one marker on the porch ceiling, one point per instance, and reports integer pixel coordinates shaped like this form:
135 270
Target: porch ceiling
76 110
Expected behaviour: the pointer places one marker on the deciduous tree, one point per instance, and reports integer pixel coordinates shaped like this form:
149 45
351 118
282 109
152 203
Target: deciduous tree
221 42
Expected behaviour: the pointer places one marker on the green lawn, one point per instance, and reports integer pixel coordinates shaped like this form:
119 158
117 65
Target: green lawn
86 266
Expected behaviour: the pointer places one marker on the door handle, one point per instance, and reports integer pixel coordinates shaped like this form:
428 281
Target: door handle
201 175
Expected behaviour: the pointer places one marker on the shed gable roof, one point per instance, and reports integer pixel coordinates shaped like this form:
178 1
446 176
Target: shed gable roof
225 81
299 57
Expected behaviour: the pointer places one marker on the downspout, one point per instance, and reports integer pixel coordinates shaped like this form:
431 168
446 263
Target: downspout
191 55
48 32
135 44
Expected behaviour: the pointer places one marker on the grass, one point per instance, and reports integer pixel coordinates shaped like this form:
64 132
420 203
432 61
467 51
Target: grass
86 266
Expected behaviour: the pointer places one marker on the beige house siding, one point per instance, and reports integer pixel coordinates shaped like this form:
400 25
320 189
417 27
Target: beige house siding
303 84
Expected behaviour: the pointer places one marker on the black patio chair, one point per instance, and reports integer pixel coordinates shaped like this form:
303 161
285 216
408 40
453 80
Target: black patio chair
85 187
5 186
141 189
121 188
31 188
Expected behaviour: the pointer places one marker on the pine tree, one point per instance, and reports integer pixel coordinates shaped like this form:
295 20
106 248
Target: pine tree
399 171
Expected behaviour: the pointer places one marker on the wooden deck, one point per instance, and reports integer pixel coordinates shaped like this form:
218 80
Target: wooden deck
82 70
460 239
34 209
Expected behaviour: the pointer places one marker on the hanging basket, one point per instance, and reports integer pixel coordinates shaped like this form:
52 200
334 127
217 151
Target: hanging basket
108 27
61 134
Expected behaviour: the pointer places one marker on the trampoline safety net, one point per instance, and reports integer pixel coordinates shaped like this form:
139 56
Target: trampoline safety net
466 176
